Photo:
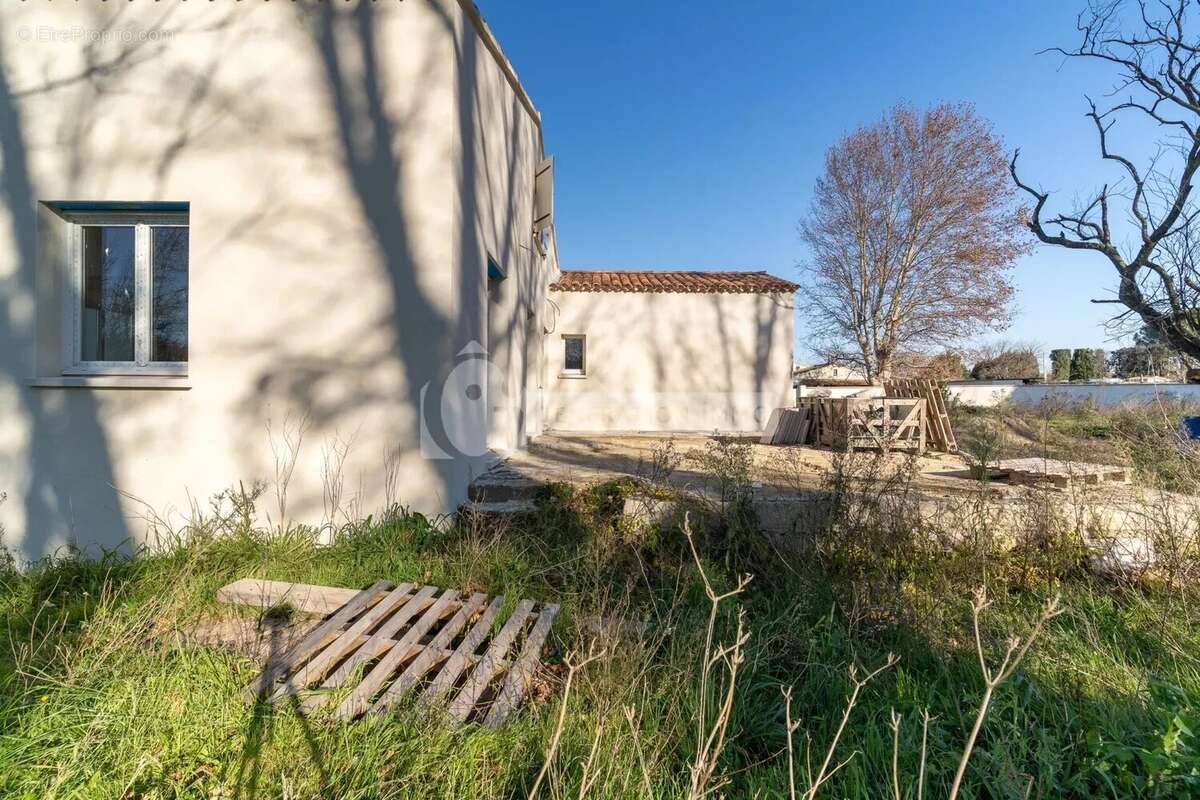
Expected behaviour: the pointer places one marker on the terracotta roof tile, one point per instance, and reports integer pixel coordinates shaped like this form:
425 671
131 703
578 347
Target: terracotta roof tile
694 281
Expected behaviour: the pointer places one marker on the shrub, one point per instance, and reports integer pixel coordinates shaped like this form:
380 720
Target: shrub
947 366
1082 366
1007 365
1144 360
1060 364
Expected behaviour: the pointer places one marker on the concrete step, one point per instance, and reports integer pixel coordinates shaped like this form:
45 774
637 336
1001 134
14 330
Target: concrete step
501 508
502 484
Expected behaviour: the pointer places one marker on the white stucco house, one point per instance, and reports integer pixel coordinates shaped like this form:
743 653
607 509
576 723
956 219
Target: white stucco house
309 244
668 350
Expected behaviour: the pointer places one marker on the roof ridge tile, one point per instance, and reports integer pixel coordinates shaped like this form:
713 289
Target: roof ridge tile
698 281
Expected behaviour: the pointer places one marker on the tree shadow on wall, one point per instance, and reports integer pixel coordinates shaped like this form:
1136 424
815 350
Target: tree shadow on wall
69 492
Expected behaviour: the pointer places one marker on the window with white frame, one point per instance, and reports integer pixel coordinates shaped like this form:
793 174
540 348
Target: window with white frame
127 291
574 354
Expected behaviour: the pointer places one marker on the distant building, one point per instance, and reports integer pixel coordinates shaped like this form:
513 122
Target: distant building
675 350
828 374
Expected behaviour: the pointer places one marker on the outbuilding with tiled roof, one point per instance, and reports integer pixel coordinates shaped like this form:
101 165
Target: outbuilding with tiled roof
667 350
674 281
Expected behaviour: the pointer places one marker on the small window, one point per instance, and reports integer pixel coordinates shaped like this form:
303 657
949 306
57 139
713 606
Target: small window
574 354
128 288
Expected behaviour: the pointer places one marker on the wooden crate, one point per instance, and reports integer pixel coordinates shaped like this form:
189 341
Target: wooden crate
867 422
387 642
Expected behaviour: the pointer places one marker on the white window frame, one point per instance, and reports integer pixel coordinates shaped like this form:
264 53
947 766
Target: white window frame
574 373
141 222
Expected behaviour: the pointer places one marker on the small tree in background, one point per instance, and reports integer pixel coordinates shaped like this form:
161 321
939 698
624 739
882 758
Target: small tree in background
1146 360
946 366
1060 364
1099 363
1007 362
1082 368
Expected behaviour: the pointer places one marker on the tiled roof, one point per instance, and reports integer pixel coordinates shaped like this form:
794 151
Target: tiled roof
694 281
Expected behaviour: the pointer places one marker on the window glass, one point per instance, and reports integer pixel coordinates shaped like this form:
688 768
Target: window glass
573 359
168 293
108 297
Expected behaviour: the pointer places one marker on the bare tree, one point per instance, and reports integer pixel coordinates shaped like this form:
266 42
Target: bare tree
1156 264
913 229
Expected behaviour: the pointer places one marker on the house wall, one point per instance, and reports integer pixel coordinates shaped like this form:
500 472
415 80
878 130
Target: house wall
346 170
663 361
496 178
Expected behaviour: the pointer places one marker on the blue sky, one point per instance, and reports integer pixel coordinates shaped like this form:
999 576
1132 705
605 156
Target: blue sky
690 135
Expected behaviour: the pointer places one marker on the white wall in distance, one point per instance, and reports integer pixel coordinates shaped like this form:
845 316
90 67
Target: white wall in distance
670 361
1103 395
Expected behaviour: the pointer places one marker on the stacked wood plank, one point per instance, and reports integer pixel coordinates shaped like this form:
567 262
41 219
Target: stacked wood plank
940 432
787 426
386 642
1060 474
827 420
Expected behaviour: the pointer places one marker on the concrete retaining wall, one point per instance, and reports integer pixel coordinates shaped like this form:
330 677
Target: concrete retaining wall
1103 395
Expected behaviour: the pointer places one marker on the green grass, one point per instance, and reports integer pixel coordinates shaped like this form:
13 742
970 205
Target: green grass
97 701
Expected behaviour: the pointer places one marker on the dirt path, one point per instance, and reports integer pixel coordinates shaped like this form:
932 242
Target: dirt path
591 458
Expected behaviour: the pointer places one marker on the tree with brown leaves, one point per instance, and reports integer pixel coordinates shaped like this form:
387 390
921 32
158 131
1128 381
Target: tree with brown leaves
913 231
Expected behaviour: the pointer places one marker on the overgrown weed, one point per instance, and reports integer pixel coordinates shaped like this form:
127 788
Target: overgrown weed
97 698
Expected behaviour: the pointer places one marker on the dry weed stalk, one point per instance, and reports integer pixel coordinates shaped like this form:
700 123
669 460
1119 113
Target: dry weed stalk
895 754
286 452
588 779
791 729
1014 653
631 718
333 481
574 664
710 738
825 773
924 754
391 479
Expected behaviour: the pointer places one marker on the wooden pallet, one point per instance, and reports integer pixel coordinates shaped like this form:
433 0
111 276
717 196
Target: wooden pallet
1061 474
387 642
940 432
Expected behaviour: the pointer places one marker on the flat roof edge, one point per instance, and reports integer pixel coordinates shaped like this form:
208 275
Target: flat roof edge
493 46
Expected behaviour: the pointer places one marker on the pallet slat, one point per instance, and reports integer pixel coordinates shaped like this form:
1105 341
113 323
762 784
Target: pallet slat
359 700
457 661
520 674
381 643
480 677
322 635
430 655
305 598
941 433
344 644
